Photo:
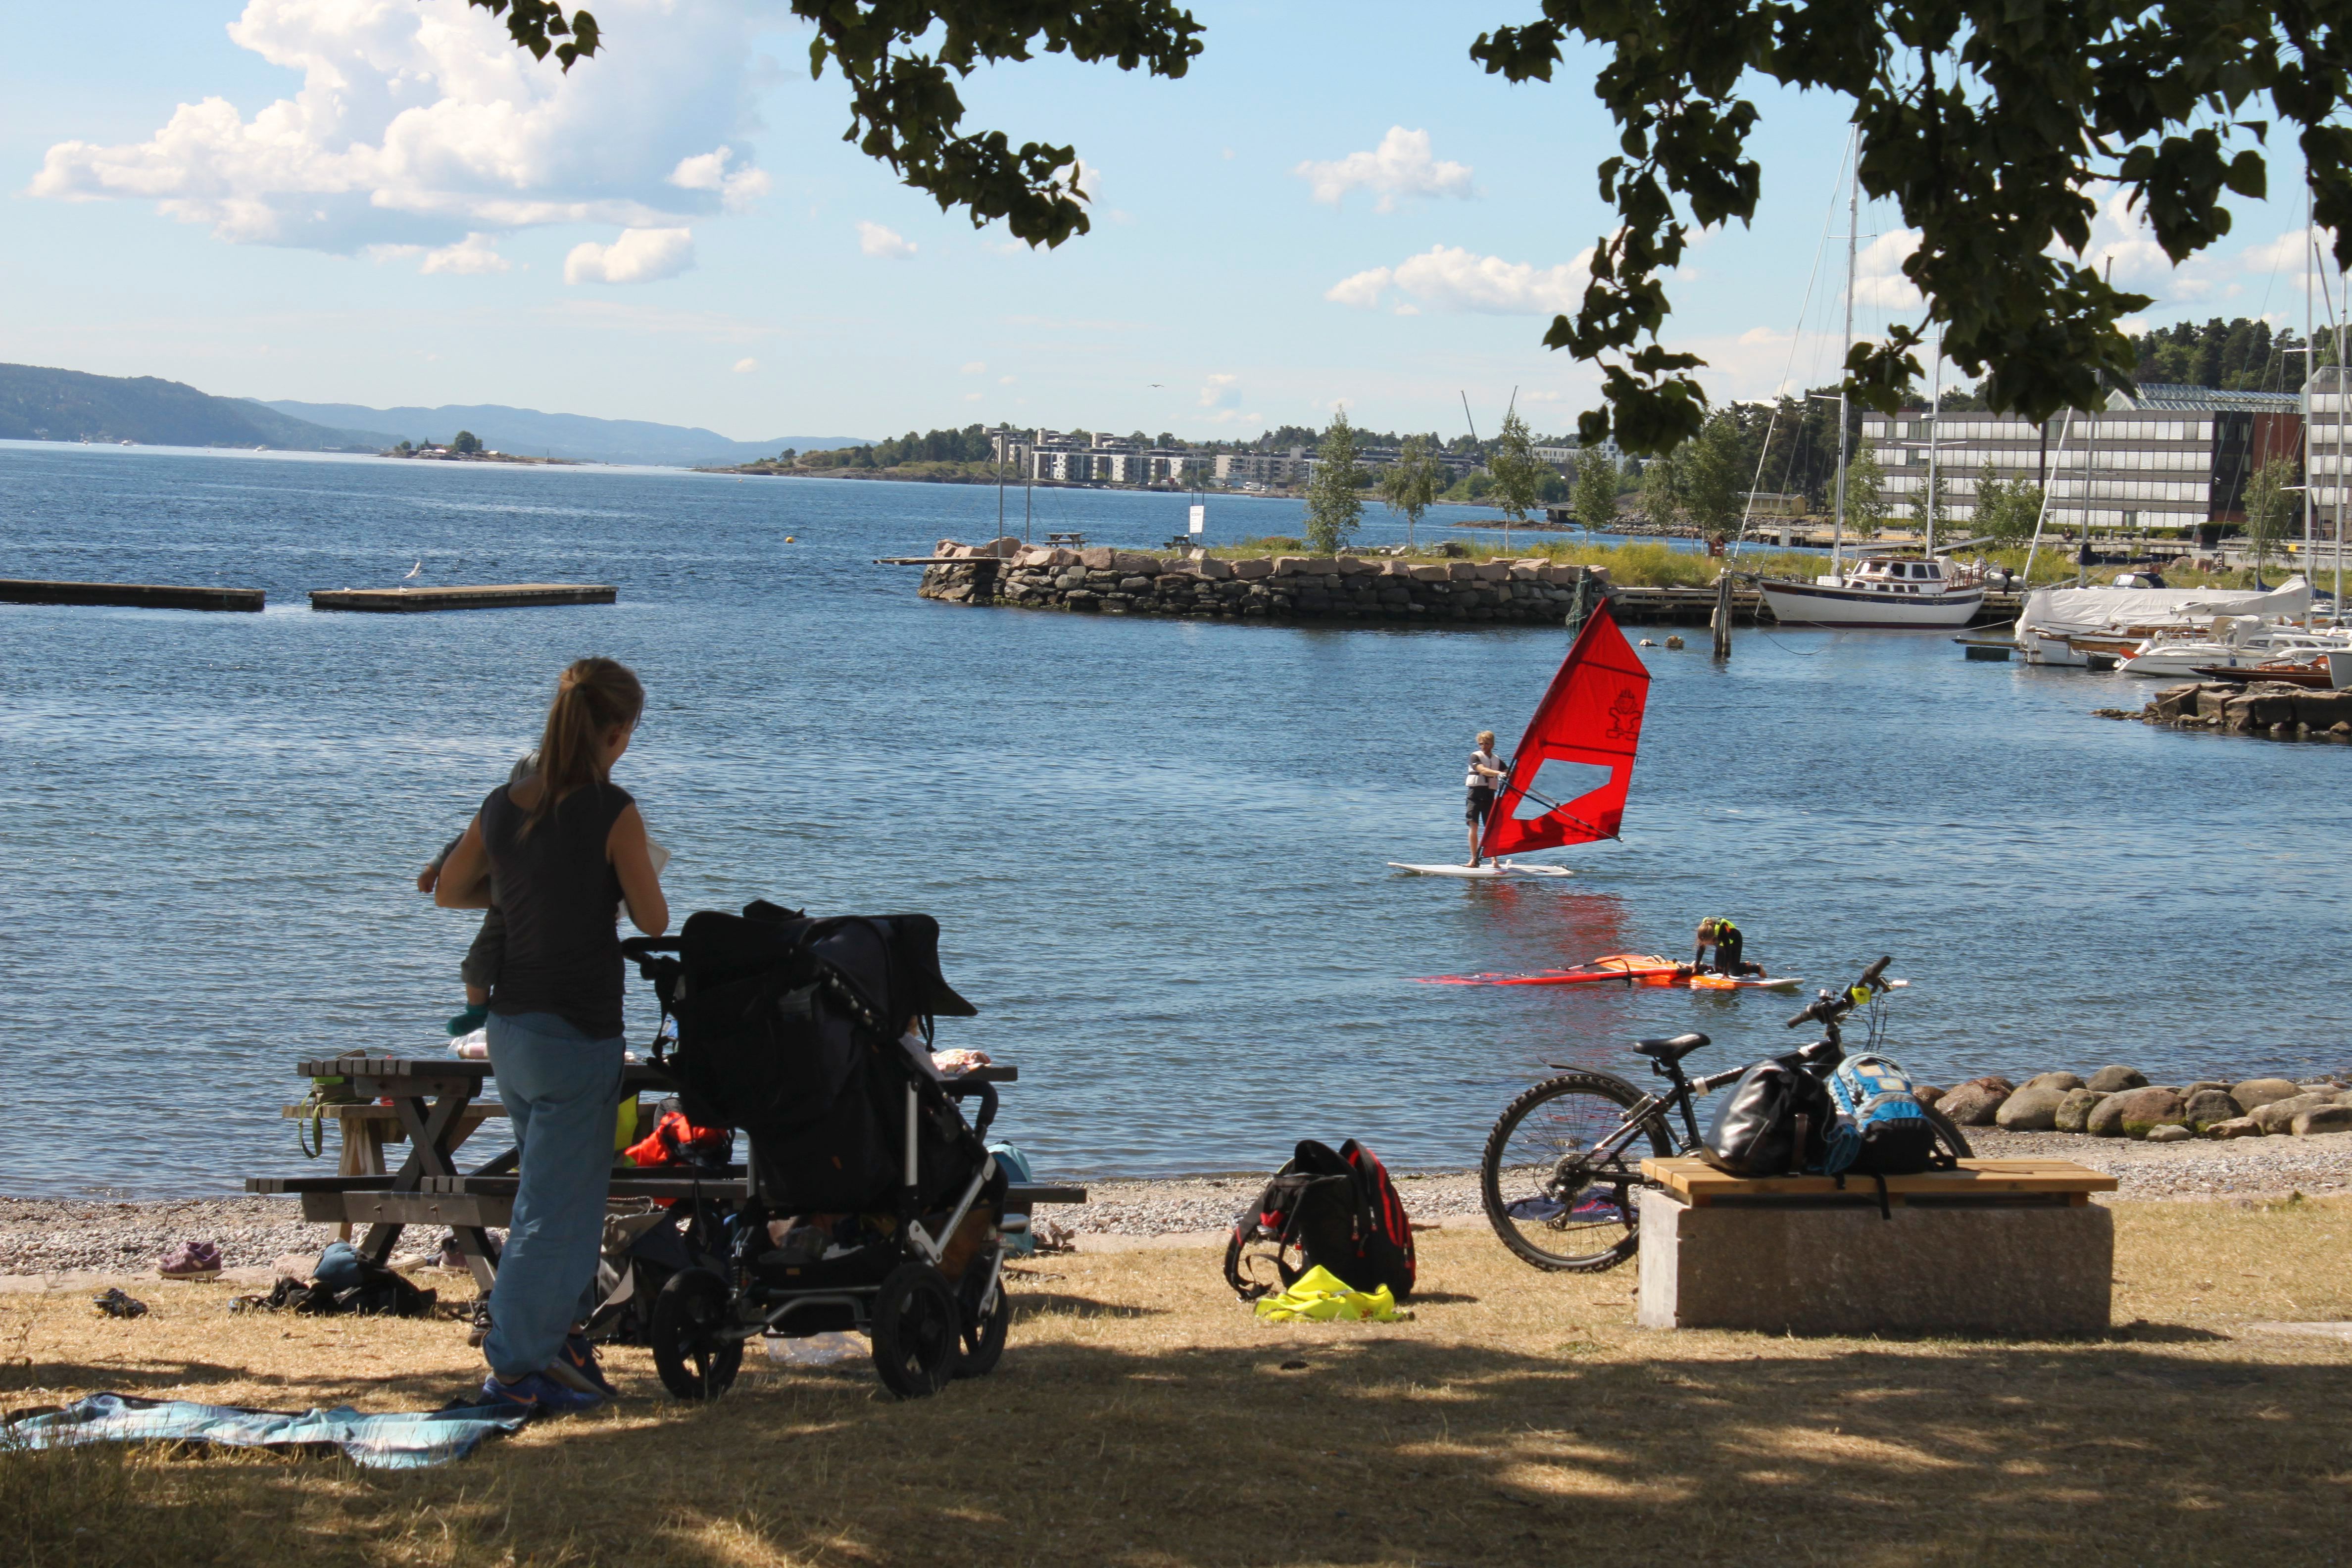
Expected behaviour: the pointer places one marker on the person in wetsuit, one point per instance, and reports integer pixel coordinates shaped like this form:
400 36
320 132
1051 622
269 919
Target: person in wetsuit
1724 937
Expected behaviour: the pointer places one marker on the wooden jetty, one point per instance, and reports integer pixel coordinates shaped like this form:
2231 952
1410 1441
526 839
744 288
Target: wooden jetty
479 596
132 596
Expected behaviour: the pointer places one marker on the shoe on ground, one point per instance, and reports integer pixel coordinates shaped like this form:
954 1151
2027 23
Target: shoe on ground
536 1394
575 1367
192 1260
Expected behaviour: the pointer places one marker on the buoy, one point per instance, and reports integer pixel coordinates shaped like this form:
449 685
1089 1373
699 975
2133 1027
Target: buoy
788 539
1674 642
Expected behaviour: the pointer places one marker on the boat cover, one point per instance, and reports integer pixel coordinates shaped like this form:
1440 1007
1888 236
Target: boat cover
2086 611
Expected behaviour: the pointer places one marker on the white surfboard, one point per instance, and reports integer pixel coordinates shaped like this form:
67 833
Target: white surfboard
1492 868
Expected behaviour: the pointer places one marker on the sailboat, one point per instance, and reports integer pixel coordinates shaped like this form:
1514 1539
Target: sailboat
1590 714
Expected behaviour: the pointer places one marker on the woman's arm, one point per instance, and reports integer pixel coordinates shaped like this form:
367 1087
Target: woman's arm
640 883
465 880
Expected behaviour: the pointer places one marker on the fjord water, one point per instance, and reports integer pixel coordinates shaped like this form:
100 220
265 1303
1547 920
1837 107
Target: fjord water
1157 848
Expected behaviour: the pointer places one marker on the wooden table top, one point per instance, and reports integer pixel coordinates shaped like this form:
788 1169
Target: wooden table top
393 1073
1697 1182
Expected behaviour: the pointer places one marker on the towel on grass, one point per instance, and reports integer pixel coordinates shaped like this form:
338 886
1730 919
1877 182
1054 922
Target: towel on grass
1319 1295
404 1441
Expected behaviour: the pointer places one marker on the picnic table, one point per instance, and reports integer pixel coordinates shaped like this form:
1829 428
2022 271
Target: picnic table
432 1102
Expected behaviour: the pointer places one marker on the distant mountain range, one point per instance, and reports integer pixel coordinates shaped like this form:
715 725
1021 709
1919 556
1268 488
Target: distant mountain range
38 404
42 405
532 433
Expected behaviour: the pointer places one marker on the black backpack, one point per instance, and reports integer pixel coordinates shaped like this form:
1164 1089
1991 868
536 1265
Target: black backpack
1327 1209
1774 1122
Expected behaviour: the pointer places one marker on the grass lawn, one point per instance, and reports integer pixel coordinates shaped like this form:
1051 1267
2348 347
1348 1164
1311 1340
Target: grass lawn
1141 1417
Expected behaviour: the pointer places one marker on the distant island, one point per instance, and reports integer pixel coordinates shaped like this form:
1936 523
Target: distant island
465 447
576 436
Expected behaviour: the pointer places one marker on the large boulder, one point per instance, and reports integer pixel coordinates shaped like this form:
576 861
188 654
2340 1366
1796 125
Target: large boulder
2209 1107
1977 1101
2280 1114
2238 1127
1926 1094
2201 1085
2256 1092
2032 1109
2115 1079
2057 1080
2170 1133
1253 568
2074 1110
2133 1112
2322 1119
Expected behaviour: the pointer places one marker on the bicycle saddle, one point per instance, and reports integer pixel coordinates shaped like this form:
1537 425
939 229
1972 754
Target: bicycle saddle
1670 1050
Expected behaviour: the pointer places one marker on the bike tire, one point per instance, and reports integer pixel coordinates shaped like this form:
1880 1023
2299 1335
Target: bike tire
1519 1173
1948 1134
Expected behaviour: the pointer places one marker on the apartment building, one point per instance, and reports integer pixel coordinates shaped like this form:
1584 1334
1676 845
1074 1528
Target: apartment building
2167 457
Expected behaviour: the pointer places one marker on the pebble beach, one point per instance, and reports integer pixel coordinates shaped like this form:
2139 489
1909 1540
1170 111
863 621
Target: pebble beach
48 1242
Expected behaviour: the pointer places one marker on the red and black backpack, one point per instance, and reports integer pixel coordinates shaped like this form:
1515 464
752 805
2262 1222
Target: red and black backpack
1335 1210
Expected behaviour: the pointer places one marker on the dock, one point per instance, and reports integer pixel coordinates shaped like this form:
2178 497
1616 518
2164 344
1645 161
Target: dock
479 596
1695 607
130 595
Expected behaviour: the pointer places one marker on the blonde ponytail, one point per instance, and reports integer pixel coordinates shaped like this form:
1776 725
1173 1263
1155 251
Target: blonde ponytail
591 697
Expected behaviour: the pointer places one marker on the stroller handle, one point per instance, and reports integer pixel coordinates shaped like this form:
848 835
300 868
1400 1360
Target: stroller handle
644 947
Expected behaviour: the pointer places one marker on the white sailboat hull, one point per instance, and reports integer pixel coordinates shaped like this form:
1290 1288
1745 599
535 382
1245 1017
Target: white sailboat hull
1870 609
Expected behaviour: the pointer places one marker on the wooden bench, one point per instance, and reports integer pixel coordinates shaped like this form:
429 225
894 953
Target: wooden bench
2007 1248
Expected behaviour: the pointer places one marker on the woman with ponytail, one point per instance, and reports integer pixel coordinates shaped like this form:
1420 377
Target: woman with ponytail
566 851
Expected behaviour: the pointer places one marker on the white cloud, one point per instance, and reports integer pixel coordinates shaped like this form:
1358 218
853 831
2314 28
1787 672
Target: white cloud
1222 392
746 366
888 244
1004 381
419 123
1408 310
975 367
1400 166
1878 279
1447 277
476 252
639 255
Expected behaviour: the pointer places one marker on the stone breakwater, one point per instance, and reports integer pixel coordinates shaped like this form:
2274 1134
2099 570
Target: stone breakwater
1282 587
2119 1103
2271 708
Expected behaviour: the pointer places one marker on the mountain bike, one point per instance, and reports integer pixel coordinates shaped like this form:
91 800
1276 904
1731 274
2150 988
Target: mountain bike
1564 1160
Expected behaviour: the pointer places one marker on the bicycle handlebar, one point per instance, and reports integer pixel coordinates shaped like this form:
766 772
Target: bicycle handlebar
1833 1006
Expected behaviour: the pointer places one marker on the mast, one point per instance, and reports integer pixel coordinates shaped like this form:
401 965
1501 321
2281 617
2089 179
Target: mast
1935 441
2344 283
1028 487
2310 375
1852 222
1000 443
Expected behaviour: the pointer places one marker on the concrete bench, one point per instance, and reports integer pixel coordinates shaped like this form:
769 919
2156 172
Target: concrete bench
2008 1247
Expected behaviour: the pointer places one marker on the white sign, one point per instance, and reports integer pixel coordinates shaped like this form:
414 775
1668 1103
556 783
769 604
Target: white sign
1199 517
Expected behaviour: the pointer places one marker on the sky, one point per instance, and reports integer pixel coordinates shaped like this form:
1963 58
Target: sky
383 202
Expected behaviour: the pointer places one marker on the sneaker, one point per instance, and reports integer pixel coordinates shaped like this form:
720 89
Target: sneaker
537 1395
576 1366
195 1260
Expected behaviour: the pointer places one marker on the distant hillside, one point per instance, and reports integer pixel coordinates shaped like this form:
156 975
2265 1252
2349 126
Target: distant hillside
42 405
533 434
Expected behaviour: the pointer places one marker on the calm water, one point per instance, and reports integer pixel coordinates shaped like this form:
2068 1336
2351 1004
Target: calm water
1157 849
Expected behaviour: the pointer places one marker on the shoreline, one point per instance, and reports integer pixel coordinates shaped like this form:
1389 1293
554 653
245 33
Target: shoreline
59 1243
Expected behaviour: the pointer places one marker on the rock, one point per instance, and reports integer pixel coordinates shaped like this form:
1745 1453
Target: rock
1134 584
1097 558
2060 1081
2256 1092
1462 571
1214 569
1429 572
1975 1102
1289 565
2278 1114
2236 1126
2031 1109
1251 568
2170 1133
2322 1119
1926 1094
2131 1113
2115 1079
1492 572
2209 1107
2074 1110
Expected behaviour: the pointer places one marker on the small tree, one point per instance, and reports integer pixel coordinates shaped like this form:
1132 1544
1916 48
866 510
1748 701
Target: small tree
1865 491
2269 506
1335 499
1518 477
1596 490
2006 512
1709 483
465 442
1662 499
1410 485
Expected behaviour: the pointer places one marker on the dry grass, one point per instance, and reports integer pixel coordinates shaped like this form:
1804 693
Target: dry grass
1142 1418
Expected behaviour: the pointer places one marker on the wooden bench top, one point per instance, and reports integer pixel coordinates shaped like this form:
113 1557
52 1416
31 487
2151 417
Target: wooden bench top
397 1071
1698 1184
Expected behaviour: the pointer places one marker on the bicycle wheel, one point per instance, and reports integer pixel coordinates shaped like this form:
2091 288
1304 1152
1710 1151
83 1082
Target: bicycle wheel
1547 1199
1947 1133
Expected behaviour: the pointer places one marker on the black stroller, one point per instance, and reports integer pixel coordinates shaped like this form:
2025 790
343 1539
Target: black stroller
868 1202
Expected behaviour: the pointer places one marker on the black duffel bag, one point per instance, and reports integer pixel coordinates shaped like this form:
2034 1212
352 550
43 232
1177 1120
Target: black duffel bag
1774 1122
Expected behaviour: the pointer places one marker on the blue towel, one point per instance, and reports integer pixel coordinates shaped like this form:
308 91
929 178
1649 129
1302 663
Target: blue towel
404 1441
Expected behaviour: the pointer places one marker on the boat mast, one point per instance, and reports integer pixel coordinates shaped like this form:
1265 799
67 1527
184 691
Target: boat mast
2310 375
1000 443
1852 222
1028 487
1935 441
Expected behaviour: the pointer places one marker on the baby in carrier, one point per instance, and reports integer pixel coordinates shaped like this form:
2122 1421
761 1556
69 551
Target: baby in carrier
480 970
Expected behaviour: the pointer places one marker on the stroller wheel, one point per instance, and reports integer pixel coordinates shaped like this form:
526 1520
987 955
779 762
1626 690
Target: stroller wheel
981 1343
917 1325
693 1358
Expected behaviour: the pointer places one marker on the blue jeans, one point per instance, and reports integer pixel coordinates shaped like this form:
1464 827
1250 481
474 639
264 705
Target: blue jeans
560 1090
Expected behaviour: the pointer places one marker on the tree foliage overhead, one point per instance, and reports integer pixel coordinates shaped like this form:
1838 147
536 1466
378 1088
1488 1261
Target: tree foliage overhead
1989 123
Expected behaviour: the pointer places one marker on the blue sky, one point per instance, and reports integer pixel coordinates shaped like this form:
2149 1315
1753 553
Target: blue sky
381 201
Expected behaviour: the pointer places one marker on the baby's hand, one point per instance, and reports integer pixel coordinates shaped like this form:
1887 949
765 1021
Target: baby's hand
427 877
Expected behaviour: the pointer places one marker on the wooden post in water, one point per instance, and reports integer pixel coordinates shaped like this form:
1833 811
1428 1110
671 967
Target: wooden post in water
1721 622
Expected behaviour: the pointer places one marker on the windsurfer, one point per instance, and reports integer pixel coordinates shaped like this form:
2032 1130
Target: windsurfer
1487 771
1724 938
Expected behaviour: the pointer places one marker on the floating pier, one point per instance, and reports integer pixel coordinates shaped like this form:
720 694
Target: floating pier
132 596
480 596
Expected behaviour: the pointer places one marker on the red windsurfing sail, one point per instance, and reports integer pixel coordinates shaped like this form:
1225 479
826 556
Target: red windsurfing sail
1591 713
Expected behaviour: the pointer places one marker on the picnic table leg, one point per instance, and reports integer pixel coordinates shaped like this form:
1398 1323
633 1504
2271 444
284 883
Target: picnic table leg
362 1154
431 1138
